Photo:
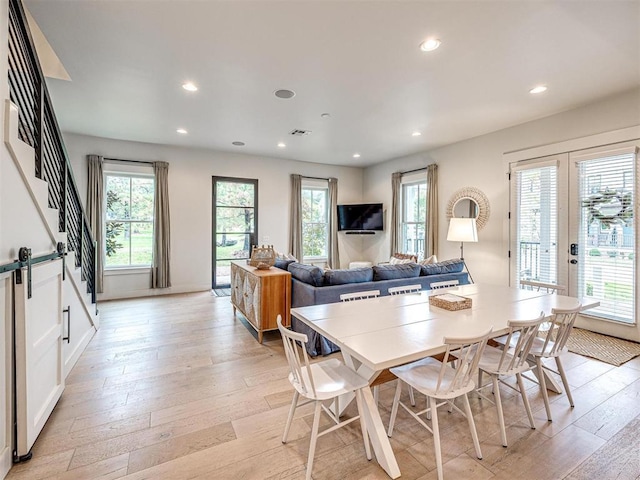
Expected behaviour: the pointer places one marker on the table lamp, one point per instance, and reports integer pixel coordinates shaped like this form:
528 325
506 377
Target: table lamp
463 230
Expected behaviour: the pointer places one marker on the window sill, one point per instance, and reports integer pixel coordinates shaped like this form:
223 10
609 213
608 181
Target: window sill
126 271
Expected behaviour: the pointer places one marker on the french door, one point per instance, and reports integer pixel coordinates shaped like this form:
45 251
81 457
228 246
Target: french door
573 224
235 224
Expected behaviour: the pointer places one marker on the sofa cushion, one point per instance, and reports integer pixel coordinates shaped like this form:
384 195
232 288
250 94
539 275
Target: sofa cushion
392 272
283 263
352 275
447 266
307 273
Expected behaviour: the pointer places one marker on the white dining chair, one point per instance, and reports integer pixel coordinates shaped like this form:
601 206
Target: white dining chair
444 284
440 382
553 345
320 383
542 287
349 297
405 289
508 362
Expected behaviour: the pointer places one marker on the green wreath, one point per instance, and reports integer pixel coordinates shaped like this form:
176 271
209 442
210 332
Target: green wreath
610 198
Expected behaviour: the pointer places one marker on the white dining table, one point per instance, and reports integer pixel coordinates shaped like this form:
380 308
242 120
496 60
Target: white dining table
384 332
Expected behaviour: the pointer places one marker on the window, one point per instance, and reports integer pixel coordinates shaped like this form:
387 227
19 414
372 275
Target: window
414 214
315 222
128 220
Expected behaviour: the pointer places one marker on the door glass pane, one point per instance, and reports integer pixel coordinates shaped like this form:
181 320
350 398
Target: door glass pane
236 220
606 233
232 246
233 194
537 224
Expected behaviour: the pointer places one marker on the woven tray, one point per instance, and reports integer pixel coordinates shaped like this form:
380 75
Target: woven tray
450 302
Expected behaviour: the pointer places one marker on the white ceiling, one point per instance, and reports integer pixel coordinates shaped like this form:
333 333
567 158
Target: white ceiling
358 61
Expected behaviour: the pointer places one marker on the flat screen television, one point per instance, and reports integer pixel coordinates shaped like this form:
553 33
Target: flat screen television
360 217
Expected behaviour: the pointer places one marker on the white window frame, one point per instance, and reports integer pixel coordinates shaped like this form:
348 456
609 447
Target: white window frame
317 185
128 172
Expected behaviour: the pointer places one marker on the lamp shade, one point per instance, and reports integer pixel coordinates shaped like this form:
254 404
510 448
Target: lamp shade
462 230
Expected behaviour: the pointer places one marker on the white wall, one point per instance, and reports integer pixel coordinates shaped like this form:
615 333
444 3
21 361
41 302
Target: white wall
478 162
190 190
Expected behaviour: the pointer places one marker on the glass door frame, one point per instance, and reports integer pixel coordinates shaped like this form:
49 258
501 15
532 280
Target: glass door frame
253 236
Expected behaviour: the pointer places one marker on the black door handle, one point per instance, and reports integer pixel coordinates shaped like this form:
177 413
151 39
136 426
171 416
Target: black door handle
573 261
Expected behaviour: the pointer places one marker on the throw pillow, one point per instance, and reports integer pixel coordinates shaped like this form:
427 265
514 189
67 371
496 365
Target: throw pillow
307 273
393 272
399 261
429 260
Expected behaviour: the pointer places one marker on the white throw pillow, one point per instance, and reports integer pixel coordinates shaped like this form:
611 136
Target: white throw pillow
398 261
430 260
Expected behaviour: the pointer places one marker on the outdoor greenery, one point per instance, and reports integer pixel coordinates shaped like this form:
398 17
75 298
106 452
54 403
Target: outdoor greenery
315 233
129 224
414 216
234 214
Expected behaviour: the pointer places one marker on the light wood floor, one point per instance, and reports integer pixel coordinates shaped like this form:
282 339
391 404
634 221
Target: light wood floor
176 388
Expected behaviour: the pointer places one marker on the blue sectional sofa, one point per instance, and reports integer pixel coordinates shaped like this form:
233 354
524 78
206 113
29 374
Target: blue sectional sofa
313 286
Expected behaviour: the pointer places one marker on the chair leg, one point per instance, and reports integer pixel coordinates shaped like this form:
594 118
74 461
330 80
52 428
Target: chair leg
525 400
412 397
496 393
376 393
543 387
394 408
472 426
363 424
292 410
314 438
433 404
565 382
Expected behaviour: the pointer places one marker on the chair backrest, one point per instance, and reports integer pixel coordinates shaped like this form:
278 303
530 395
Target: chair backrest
542 287
444 284
561 324
405 289
467 352
523 332
349 297
297 358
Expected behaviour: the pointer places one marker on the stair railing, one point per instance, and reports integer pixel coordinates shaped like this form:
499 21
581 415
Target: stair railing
38 127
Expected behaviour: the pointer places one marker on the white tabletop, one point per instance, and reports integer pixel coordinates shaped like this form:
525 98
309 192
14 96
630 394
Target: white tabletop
388 331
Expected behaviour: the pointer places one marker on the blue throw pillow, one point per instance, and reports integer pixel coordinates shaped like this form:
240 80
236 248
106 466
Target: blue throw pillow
307 273
393 272
353 275
447 266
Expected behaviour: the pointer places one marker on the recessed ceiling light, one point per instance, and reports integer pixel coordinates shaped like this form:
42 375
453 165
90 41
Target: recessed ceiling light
416 134
356 155
284 93
238 144
182 131
281 145
189 87
538 89
325 115
430 44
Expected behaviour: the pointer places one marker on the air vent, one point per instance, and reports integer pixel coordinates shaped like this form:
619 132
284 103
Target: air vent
299 133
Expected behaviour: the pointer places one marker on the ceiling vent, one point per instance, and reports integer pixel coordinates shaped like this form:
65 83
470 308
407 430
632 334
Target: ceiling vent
299 133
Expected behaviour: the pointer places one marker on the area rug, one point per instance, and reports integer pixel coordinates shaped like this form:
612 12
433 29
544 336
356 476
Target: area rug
602 347
222 292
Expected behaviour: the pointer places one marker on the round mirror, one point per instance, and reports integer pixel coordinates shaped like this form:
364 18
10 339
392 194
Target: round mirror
466 208
469 202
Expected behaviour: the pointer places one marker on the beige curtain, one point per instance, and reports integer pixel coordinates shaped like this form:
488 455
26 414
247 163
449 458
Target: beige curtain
431 222
160 272
333 258
396 202
95 203
295 220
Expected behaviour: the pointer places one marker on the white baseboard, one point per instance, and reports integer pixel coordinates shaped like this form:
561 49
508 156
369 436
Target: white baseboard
152 292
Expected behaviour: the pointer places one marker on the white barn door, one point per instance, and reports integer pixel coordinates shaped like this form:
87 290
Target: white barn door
39 356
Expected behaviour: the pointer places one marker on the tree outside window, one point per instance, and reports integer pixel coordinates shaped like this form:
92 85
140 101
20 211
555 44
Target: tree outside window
129 220
315 223
414 215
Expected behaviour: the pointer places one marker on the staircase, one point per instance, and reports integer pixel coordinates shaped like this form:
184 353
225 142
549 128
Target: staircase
33 138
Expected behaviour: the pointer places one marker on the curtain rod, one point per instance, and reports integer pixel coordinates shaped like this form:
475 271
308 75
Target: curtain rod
414 170
127 161
314 178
